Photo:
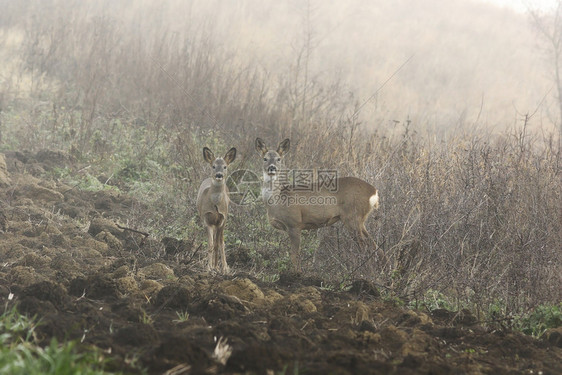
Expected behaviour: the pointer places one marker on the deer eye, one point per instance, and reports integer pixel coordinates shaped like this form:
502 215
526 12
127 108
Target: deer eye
213 167
278 159
224 167
264 159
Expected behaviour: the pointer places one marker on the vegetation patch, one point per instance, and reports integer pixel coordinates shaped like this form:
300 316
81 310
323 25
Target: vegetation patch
21 353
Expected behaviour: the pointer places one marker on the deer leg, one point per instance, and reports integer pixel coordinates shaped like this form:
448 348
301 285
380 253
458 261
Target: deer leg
356 227
210 255
364 240
220 240
381 256
362 237
366 236
216 248
295 237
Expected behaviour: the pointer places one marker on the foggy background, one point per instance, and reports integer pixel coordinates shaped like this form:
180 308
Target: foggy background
446 64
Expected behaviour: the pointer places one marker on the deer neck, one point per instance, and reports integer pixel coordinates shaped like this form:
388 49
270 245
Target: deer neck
269 187
217 192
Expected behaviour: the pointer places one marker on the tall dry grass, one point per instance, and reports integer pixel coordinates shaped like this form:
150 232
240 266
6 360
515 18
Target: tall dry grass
474 216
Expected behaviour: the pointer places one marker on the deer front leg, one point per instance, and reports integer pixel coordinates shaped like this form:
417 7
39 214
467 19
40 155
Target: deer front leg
220 243
210 254
216 249
295 237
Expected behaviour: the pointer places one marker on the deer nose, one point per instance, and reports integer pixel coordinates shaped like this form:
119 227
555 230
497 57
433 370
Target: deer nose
219 176
272 169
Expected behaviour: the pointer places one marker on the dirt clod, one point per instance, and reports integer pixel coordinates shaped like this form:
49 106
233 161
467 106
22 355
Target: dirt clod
99 225
48 291
157 271
136 335
554 336
244 289
173 246
173 297
364 288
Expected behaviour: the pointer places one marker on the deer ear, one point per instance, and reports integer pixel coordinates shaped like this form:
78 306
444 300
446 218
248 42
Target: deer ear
208 155
283 147
261 148
230 156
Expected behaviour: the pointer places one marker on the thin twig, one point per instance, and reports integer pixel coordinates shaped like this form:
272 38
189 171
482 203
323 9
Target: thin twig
193 255
381 86
134 231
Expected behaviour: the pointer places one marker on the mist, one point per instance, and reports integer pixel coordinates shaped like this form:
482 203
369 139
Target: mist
437 65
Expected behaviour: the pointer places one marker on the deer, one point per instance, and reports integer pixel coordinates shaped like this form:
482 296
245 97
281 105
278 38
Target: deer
212 205
347 199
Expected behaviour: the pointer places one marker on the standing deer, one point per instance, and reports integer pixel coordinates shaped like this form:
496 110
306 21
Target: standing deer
292 210
212 204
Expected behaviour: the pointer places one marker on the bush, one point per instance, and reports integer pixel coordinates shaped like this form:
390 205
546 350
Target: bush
540 319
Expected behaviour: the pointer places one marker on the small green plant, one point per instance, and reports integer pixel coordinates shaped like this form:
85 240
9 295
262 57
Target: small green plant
183 316
269 278
433 300
392 298
496 309
145 318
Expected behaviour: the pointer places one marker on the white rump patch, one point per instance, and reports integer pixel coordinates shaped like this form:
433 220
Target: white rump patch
374 200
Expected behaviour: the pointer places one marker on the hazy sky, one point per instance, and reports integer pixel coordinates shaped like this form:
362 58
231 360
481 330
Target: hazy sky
522 5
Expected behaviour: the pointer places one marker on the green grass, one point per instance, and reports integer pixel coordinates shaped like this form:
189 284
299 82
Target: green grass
183 316
145 318
540 319
432 300
533 323
82 181
20 353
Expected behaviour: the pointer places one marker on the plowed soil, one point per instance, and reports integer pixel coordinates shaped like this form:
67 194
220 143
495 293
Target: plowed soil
66 261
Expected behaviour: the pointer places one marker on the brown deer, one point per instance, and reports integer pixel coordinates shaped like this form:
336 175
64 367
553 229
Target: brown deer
212 204
348 199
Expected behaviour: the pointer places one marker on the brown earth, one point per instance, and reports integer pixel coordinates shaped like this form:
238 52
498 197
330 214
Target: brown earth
67 262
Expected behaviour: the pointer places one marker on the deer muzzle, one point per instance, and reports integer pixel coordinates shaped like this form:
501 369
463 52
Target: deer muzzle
272 170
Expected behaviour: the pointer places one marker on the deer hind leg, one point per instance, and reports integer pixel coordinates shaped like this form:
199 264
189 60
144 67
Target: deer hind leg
370 243
366 235
295 237
370 251
357 229
220 244
381 256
